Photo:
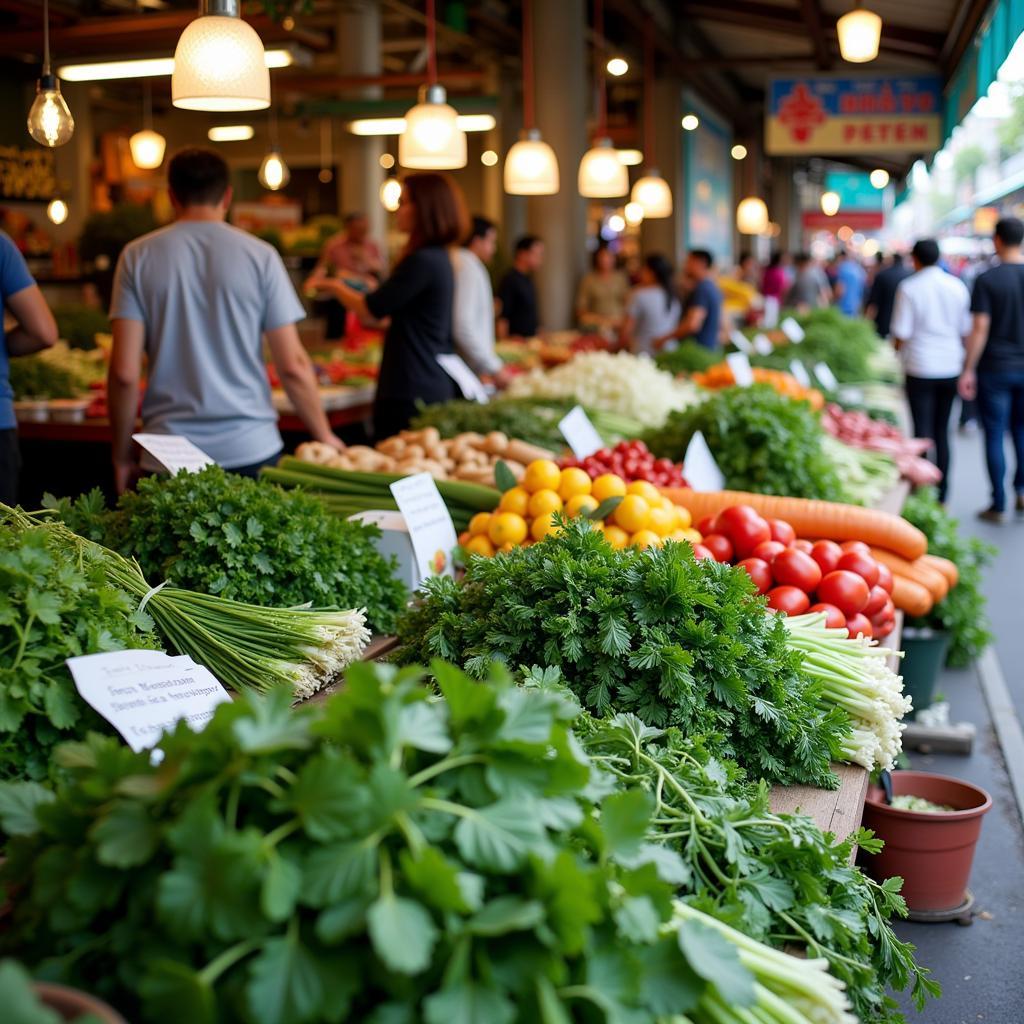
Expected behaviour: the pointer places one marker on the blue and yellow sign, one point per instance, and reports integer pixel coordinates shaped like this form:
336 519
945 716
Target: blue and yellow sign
824 115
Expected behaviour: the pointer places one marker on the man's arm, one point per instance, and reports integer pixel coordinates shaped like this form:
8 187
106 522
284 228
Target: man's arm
36 329
295 369
976 342
123 397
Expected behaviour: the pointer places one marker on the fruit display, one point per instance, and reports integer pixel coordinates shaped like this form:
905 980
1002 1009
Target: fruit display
632 460
721 376
629 513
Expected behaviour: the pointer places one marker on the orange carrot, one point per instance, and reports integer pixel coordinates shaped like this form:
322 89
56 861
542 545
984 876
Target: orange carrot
945 566
918 572
911 597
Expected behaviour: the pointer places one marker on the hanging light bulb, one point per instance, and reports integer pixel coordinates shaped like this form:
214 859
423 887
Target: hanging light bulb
602 175
859 33
57 210
390 193
273 173
219 62
830 203
879 177
49 120
752 216
147 146
634 214
653 194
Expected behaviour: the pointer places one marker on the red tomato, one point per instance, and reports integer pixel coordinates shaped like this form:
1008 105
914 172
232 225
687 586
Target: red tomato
759 572
791 600
885 580
827 554
767 550
877 598
863 565
782 531
744 527
883 630
796 569
700 551
719 546
855 545
707 525
858 624
846 590
834 618
803 545
887 611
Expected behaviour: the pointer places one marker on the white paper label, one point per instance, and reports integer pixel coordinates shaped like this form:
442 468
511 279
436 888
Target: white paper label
580 434
770 316
826 377
740 342
142 694
792 330
429 524
741 371
469 383
763 345
699 466
173 452
803 378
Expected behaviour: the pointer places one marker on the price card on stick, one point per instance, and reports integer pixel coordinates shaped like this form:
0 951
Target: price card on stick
580 434
741 371
143 694
803 378
699 466
763 345
770 316
740 342
469 383
173 452
792 330
826 377
429 524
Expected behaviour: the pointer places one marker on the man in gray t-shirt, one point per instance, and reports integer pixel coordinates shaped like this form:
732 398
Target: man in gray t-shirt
197 298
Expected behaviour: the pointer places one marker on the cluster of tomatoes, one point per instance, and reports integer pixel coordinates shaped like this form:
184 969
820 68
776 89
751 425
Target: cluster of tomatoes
632 460
842 580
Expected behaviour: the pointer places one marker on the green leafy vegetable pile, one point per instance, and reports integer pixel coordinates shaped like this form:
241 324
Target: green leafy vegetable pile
55 603
962 612
58 372
247 540
688 357
384 858
654 632
762 441
79 324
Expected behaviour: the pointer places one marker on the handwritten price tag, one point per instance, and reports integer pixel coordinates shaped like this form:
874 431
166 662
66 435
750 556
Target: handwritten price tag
173 452
792 330
469 383
429 523
699 466
580 434
741 371
799 371
763 345
740 342
826 377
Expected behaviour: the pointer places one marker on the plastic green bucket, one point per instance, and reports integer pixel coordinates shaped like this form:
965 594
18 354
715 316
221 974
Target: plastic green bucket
924 656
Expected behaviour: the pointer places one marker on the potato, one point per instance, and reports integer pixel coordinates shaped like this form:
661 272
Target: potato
429 436
414 451
316 451
392 446
495 443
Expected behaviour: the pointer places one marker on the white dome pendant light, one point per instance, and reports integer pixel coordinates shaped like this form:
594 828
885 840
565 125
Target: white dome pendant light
531 167
432 139
49 120
147 146
860 32
219 62
652 191
601 175
752 216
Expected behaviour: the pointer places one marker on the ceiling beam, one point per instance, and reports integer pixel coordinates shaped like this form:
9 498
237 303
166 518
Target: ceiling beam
811 12
749 60
964 23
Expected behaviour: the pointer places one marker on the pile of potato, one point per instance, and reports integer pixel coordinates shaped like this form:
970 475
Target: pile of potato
469 456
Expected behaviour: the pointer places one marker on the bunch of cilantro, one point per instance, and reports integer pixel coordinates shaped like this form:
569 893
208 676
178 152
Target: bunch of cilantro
247 540
55 603
386 857
763 442
655 632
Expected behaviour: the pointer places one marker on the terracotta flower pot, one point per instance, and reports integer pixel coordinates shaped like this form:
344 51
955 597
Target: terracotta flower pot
71 1003
931 852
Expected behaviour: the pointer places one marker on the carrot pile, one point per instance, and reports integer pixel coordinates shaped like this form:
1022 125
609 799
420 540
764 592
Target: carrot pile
721 376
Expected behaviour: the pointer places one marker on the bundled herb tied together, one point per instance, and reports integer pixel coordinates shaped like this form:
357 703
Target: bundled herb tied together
226 535
386 858
674 640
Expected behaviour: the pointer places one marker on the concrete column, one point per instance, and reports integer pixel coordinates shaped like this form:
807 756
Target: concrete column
513 208
561 100
665 235
360 174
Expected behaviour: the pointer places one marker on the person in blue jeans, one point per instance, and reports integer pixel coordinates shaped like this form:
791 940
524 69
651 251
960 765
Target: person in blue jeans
994 364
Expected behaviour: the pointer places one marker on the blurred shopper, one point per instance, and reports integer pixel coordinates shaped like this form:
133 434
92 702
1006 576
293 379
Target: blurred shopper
418 297
353 255
810 289
930 320
31 328
197 299
775 280
994 367
473 312
654 308
603 293
850 282
517 296
702 307
748 271
883 293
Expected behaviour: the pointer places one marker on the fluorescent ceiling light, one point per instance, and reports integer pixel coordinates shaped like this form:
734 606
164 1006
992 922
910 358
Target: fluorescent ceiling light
396 125
149 67
230 133
630 157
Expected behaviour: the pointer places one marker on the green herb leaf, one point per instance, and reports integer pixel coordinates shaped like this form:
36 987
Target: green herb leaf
125 836
403 934
285 984
498 838
716 960
18 804
469 1003
503 478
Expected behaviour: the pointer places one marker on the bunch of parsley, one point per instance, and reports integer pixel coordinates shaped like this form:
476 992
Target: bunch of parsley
247 540
55 603
762 441
655 632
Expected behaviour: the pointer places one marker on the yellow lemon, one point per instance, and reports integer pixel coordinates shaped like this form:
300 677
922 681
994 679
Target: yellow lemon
658 520
480 545
515 499
580 505
692 535
544 526
506 528
683 518
616 536
544 502
645 539
632 513
542 475
646 490
608 485
479 524
509 546
678 535
574 481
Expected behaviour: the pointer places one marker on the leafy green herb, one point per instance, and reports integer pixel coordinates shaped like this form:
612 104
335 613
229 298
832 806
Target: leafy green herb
688 357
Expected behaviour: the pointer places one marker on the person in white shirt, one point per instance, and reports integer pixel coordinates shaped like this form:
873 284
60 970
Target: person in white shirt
930 320
473 304
654 309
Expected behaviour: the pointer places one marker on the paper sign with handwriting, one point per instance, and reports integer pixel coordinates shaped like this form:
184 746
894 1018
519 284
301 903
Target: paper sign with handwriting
580 434
740 342
173 452
803 378
699 466
143 694
763 345
740 366
792 330
770 315
429 524
826 377
469 383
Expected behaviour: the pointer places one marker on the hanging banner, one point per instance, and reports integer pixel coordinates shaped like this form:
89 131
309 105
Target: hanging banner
27 174
708 221
825 115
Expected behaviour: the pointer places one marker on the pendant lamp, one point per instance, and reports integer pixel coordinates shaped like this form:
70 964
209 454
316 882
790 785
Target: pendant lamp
601 175
651 191
390 193
859 32
49 120
147 146
752 216
531 167
219 62
432 139
273 173
830 203
57 210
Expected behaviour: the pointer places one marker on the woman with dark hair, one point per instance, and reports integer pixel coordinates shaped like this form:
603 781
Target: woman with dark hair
654 307
418 299
603 293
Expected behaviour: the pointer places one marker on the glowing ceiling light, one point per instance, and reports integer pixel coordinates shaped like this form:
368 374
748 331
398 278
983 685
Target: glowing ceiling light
630 157
617 223
859 33
147 148
273 173
390 194
653 194
752 216
57 211
531 168
830 203
396 125
231 133
488 158
148 67
634 214
739 151
601 174
690 122
49 120
879 177
387 161
617 66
